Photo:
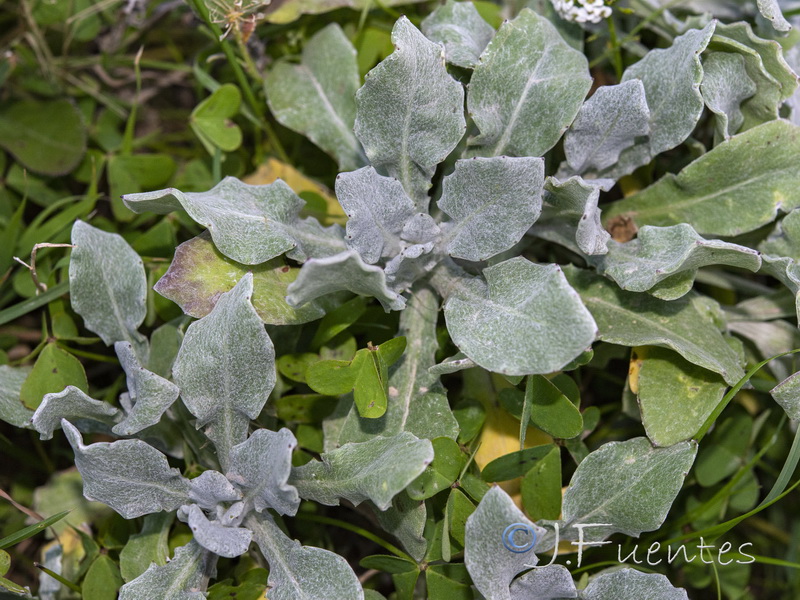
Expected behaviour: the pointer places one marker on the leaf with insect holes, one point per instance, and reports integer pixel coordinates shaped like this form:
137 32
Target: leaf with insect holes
248 223
317 96
492 203
297 571
226 368
526 89
130 476
375 470
410 112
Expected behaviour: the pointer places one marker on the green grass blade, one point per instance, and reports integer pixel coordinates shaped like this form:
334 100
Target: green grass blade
787 471
23 308
24 534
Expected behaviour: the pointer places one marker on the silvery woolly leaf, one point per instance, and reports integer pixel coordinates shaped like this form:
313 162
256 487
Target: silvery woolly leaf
317 96
214 536
625 487
405 519
248 223
527 88
570 208
725 85
552 582
671 78
458 362
377 209
12 410
226 368
787 271
607 123
787 395
417 400
111 306
524 319
765 65
635 319
771 11
150 394
420 229
495 528
411 264
658 253
73 404
130 476
182 578
461 30
261 466
630 584
492 203
754 175
210 488
785 238
345 271
410 112
375 470
297 571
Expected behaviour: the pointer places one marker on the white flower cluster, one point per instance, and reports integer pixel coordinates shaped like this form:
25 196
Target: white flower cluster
582 11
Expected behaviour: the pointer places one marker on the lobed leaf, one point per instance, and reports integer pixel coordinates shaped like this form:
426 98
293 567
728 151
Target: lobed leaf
73 404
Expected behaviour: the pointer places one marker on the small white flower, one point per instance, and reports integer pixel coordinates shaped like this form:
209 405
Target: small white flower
582 11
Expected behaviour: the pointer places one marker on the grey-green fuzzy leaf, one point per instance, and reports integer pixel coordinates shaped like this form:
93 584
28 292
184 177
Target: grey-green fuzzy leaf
12 410
725 85
302 572
130 476
212 487
226 368
553 582
182 578
489 561
661 252
317 96
630 584
108 286
345 271
771 11
524 319
76 406
527 88
461 30
607 123
214 536
151 394
248 223
377 209
410 112
492 203
625 487
375 470
787 394
635 319
261 467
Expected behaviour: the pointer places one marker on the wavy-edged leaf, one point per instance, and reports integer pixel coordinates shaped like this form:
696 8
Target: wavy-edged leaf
552 582
211 488
182 578
108 286
12 410
607 123
625 487
734 188
725 85
671 78
630 584
248 223
149 393
226 368
345 271
301 572
492 203
526 89
410 112
634 319
317 96
375 470
658 253
490 562
73 404
214 536
459 27
525 318
130 476
417 401
377 209
199 274
261 467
